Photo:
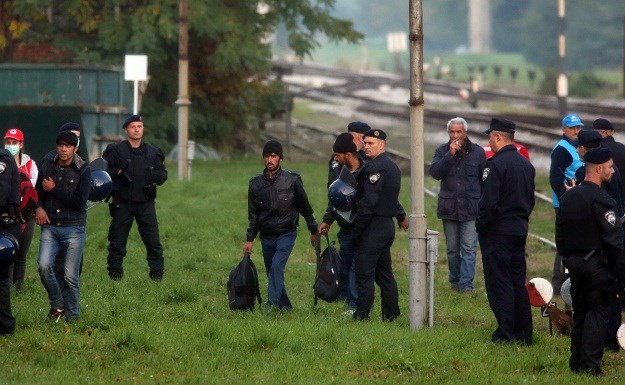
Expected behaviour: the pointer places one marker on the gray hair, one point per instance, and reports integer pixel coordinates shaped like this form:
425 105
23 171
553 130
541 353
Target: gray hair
458 120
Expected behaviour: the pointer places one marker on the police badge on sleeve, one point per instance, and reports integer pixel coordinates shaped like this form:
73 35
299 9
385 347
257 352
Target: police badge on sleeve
610 217
374 177
3 167
485 174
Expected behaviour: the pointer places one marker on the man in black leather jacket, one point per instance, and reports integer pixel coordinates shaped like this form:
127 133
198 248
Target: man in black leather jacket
276 198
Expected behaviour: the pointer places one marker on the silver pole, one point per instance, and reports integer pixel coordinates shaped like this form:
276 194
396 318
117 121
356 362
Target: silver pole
183 101
418 227
432 259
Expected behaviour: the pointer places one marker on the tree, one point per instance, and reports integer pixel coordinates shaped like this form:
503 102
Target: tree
229 63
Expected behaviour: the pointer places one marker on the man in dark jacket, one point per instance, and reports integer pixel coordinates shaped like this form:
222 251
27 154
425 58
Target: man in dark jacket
502 223
63 186
136 168
9 224
458 164
276 199
589 236
373 230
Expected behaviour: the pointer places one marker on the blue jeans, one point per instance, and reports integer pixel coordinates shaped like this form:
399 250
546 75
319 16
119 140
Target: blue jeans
68 241
276 252
347 283
461 241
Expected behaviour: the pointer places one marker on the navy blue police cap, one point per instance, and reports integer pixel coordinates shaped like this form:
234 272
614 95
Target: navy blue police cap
375 133
589 138
602 124
132 118
501 124
598 155
358 127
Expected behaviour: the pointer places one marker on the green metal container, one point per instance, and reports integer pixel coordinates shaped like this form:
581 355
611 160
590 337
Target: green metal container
39 98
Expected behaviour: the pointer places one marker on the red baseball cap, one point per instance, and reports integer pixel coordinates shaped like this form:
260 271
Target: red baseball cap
14 133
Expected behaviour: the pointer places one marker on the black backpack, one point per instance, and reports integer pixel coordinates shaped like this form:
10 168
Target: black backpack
243 285
326 284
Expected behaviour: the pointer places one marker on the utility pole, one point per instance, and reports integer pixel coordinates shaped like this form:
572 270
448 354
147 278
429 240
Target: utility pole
562 87
417 259
480 36
183 101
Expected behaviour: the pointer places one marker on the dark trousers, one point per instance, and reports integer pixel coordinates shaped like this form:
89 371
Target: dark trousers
121 223
373 264
347 281
591 304
505 270
7 321
17 272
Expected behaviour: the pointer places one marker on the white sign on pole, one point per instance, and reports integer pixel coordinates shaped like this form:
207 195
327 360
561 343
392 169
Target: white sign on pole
397 42
136 67
136 70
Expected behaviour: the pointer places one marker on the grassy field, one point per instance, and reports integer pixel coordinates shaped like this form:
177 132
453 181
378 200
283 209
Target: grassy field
180 331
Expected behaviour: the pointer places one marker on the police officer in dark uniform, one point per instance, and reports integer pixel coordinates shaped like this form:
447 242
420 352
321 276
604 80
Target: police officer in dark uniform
590 238
9 224
373 230
136 168
505 205
587 140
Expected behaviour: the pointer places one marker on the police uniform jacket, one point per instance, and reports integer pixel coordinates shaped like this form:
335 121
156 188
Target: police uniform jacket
460 177
274 205
142 169
587 221
9 183
379 183
507 198
66 203
614 187
331 215
617 149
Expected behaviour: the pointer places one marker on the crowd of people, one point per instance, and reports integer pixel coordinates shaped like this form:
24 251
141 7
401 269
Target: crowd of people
54 196
484 198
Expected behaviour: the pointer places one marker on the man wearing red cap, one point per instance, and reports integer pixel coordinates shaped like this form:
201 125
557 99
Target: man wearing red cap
14 143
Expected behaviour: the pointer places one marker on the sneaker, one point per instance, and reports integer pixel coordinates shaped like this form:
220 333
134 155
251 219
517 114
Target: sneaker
55 314
349 312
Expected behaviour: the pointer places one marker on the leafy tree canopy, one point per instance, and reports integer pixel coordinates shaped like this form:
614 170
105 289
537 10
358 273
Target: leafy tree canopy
229 60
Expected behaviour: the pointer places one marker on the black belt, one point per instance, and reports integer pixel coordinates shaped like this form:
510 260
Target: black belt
586 255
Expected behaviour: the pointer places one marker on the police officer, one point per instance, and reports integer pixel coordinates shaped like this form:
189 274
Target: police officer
504 208
373 231
136 168
9 223
590 238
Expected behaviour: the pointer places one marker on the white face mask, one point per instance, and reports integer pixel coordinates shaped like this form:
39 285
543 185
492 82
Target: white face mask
78 144
14 149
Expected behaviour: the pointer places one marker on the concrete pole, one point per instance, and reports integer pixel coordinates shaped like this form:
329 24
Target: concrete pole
480 35
562 90
417 259
183 101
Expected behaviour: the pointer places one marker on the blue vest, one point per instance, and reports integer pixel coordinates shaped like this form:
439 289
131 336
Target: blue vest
569 172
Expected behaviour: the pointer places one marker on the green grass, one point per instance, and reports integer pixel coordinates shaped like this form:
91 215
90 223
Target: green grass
180 331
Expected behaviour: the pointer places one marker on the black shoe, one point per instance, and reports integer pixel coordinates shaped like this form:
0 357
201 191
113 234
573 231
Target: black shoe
157 277
361 316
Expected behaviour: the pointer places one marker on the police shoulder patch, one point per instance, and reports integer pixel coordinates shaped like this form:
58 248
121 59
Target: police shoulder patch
485 174
610 217
3 167
374 177
335 164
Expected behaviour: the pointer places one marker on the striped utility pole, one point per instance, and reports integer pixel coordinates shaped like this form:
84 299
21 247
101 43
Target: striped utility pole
562 90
